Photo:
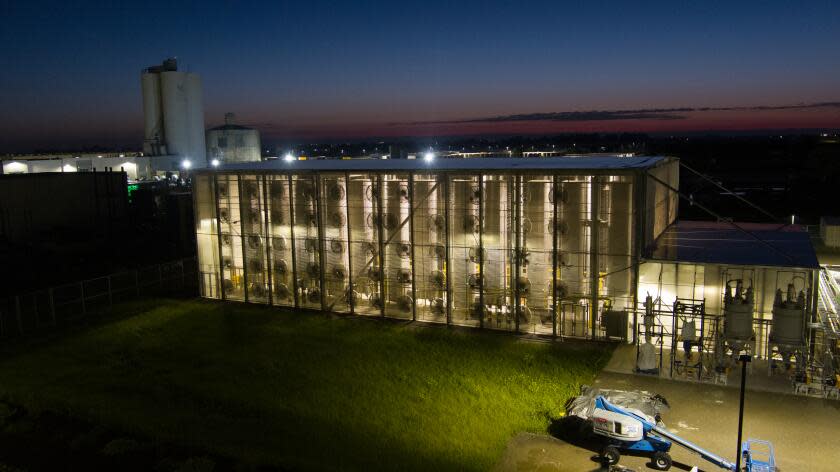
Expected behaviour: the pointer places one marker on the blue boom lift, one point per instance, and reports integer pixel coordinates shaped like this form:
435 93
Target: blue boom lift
630 431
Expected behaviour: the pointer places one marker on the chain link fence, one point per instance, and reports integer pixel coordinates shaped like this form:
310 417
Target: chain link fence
64 305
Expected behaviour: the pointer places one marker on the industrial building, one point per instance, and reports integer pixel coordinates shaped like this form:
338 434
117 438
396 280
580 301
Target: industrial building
231 142
580 247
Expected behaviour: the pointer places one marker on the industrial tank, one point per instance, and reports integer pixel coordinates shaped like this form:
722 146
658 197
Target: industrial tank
153 142
232 142
788 317
738 311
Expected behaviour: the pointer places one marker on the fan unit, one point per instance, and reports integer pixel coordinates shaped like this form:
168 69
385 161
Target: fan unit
404 303
305 189
375 300
472 224
437 306
560 192
227 285
226 239
282 292
525 225
255 265
374 274
390 221
313 295
437 223
279 243
335 192
277 190
475 195
226 263
474 281
372 192
522 256
561 290
339 272
257 290
437 279
311 245
222 190
313 270
336 246
562 227
277 216
336 219
224 215
403 250
370 248
254 241
524 285
251 190
280 267
404 195
439 251
477 255
312 219
404 276
254 216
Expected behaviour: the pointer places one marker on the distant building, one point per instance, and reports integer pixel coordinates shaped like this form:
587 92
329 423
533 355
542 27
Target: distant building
830 231
132 163
233 143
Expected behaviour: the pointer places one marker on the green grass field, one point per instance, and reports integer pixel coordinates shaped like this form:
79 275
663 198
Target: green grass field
303 391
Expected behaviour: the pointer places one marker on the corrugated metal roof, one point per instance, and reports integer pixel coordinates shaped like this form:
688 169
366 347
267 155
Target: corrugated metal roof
450 164
722 243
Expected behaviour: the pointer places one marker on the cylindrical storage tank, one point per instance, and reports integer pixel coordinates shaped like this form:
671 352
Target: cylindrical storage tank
174 104
738 314
195 120
788 320
153 118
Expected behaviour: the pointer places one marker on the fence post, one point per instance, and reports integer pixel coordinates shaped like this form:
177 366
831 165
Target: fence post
52 306
110 294
17 315
82 291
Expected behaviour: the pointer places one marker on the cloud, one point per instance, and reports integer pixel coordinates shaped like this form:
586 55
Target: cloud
659 114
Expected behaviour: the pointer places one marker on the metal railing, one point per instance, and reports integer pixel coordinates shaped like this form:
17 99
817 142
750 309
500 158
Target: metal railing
63 305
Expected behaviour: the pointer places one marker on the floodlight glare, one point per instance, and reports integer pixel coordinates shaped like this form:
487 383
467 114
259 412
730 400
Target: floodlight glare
429 156
186 164
214 163
289 157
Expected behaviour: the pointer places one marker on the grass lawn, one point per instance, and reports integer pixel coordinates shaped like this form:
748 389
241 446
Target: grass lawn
303 391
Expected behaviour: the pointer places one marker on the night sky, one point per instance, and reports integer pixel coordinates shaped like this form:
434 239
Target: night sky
316 70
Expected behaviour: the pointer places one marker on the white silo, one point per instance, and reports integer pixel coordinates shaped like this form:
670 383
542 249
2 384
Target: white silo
174 114
233 143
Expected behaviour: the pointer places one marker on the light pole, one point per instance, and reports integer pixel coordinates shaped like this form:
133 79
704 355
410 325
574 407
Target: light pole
744 359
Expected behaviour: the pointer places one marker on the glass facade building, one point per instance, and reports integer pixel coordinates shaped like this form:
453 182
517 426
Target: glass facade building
527 245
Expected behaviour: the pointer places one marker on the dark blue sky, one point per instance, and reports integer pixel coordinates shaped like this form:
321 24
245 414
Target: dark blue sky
70 70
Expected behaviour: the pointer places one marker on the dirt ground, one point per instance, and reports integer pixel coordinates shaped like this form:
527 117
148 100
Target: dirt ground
804 431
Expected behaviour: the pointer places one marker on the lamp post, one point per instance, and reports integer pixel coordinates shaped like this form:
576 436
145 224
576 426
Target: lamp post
744 359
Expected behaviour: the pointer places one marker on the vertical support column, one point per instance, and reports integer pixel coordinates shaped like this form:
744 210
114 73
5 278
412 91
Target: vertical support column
481 250
411 241
351 299
381 237
220 270
638 244
322 238
517 248
555 235
242 236
268 240
594 246
447 266
294 242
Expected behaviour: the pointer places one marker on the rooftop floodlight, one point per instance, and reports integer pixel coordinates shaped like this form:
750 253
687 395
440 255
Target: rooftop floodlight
429 156
288 157
214 163
186 164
